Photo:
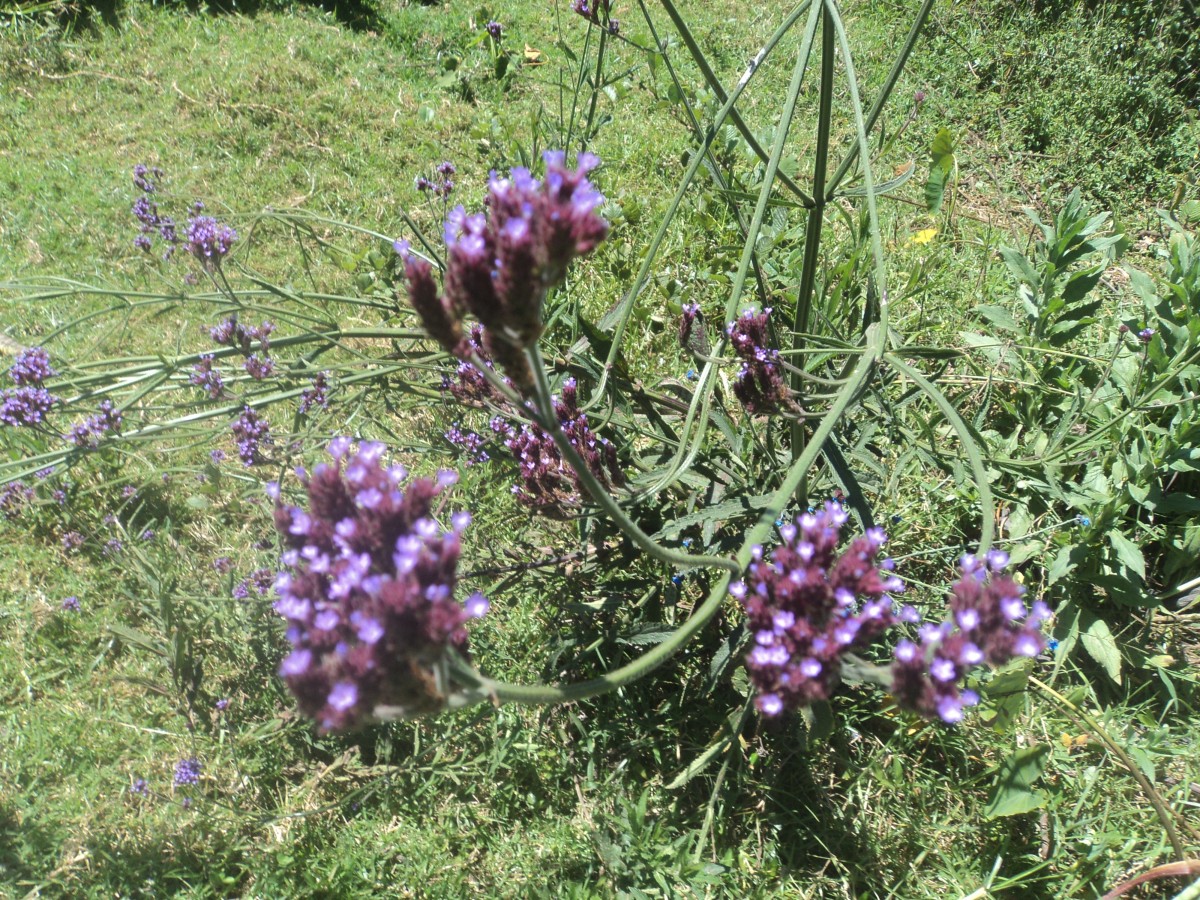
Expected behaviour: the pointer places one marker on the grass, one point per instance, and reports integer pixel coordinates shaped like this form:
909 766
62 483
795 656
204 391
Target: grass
288 109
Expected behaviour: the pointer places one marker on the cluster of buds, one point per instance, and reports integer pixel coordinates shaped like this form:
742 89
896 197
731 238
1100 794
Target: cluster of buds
441 185
87 433
547 483
209 240
317 395
368 590
232 333
471 444
28 402
469 384
989 623
760 385
206 377
807 607
500 264
596 10
252 433
145 210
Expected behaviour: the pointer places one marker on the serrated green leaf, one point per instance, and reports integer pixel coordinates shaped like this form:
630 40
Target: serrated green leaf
1100 644
1012 793
1128 553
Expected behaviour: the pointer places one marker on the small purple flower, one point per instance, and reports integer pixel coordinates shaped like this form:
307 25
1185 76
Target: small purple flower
208 240
317 395
259 366
1146 335
222 704
367 589
988 623
71 604
113 547
496 30
31 367
807 605
206 377
140 788
72 541
25 406
223 565
252 433
760 385
187 771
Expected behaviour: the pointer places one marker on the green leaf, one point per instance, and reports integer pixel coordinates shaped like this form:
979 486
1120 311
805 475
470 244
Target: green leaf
1012 794
1100 644
941 164
1128 553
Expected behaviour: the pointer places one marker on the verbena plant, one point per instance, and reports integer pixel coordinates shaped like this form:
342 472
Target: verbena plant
703 489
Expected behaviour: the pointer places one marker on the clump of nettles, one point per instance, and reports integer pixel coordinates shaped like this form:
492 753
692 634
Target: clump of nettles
368 590
810 607
500 264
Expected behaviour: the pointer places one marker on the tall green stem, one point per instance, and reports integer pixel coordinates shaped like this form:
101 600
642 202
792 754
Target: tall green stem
505 692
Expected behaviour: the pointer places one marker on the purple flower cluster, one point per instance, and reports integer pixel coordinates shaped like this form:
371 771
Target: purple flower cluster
591 10
500 264
72 541
208 240
317 395
70 604
496 30
31 368
368 590
469 385
470 443
441 185
145 210
252 433
260 579
87 434
807 607
187 771
206 377
759 386
232 333
548 484
988 623
259 366
29 402
14 495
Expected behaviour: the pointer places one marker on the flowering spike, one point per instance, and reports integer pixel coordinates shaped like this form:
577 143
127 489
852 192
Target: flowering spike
367 591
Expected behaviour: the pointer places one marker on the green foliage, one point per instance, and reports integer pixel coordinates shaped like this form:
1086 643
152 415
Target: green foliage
667 786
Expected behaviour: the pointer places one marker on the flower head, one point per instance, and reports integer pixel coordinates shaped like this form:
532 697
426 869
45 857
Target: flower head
807 606
187 771
988 623
208 240
367 590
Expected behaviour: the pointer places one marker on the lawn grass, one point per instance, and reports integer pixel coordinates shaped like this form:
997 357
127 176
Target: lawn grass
291 110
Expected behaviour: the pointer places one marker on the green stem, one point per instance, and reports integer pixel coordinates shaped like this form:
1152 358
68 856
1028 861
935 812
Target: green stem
1166 816
974 457
598 492
888 85
486 688
718 89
